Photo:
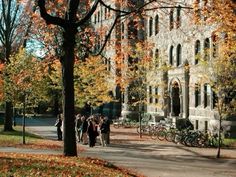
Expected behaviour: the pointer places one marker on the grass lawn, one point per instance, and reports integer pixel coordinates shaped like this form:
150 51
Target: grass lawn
15 139
15 164
18 164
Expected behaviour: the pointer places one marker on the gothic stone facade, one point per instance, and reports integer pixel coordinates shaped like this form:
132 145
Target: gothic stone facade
177 43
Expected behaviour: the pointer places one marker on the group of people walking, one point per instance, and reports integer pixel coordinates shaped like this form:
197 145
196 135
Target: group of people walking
88 129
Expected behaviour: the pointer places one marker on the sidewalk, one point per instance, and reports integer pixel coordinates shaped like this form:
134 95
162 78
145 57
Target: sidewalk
127 136
151 157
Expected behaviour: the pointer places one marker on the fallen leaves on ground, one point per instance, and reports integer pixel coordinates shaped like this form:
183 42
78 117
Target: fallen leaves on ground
17 165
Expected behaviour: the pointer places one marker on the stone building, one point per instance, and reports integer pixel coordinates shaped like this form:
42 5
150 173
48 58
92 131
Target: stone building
179 92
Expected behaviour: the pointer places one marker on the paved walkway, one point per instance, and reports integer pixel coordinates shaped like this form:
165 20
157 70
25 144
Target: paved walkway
149 157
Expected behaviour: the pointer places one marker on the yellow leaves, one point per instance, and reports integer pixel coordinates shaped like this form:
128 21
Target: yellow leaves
92 82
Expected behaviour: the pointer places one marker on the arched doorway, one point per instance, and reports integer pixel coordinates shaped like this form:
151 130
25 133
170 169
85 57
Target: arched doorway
175 96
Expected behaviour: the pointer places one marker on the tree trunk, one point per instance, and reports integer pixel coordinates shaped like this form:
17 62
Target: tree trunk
8 104
67 62
8 117
219 138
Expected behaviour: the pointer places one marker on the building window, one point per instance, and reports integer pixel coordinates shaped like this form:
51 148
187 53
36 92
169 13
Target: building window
156 24
150 26
178 55
171 57
207 95
95 18
206 126
178 17
197 95
171 19
98 16
101 13
122 30
215 46
150 94
214 99
196 124
156 95
105 13
197 51
109 65
157 58
132 30
207 49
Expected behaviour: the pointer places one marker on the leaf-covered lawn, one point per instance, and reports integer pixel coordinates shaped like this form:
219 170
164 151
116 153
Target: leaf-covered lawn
14 139
18 165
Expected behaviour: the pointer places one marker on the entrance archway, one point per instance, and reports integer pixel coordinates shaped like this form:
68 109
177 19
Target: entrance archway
175 96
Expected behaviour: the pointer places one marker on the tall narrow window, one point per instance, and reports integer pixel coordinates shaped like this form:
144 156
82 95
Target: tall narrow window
157 58
122 30
207 49
150 94
156 24
109 65
132 30
178 17
171 19
171 57
197 95
98 16
207 95
105 13
178 55
215 46
95 18
214 99
196 124
150 26
197 51
156 95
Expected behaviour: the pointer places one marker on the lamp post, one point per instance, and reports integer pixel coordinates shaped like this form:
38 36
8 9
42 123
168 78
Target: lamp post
23 120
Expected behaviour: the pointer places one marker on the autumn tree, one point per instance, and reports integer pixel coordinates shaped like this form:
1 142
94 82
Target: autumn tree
12 30
25 79
93 82
220 71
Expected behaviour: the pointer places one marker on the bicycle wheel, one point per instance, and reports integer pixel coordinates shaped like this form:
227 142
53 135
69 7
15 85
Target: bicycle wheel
161 134
170 136
153 135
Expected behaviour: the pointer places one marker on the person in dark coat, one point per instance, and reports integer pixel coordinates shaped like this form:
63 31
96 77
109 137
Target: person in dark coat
58 124
107 125
92 132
